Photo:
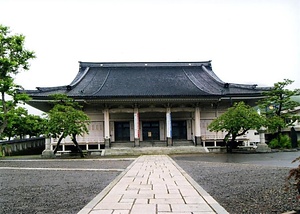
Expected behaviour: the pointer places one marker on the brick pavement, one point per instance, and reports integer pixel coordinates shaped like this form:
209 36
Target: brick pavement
153 184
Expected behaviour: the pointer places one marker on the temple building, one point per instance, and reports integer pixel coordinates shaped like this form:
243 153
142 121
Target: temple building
150 103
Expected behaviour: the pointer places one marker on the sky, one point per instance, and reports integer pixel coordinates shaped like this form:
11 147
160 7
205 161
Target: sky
248 41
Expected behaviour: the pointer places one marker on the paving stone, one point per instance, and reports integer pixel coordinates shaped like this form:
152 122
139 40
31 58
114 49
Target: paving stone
203 212
166 201
163 208
172 186
177 212
121 212
146 196
189 192
127 200
102 212
159 195
154 191
113 206
158 186
173 191
131 191
139 186
111 198
190 207
143 209
194 200
141 201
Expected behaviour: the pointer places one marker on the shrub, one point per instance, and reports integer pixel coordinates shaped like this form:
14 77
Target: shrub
284 142
5 149
294 174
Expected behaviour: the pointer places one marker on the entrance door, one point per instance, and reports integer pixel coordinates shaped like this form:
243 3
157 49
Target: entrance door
150 130
179 130
122 131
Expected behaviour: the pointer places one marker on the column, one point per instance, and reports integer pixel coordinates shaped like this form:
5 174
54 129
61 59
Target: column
48 153
106 129
136 124
197 127
169 127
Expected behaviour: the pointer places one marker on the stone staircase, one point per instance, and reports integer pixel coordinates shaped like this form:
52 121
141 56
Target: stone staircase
151 144
122 144
183 143
154 147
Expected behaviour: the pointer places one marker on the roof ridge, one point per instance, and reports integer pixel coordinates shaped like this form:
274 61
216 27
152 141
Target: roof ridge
143 64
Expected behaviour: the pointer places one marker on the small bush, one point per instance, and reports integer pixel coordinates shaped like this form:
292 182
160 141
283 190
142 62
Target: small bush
283 143
294 174
5 150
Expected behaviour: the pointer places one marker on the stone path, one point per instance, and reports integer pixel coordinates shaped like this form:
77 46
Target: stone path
153 184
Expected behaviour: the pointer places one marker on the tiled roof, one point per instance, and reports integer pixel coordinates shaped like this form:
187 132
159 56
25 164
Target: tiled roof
149 79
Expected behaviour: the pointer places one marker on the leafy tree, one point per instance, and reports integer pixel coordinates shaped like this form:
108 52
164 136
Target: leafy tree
13 58
35 125
21 123
66 119
236 121
278 106
15 121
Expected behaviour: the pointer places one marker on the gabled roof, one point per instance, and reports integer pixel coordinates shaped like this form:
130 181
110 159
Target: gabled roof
147 79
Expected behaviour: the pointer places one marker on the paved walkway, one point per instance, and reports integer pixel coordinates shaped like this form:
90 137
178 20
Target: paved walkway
153 184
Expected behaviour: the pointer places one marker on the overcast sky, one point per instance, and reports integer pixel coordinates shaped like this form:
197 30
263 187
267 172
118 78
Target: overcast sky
248 41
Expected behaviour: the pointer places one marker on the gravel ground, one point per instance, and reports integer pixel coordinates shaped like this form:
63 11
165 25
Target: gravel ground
52 191
238 187
243 188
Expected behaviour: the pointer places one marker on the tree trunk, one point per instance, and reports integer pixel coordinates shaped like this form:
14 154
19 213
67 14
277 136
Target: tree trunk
77 146
58 143
229 146
226 142
232 142
278 135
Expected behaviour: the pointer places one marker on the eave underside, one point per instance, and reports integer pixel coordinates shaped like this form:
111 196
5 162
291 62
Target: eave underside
45 104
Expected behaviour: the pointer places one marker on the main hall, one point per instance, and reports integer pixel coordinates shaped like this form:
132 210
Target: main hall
149 103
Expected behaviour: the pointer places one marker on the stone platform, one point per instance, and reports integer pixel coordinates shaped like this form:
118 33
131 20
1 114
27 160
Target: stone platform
156 150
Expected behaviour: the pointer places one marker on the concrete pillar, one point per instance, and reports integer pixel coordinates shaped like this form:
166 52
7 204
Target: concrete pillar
169 127
136 124
48 153
262 146
262 138
197 127
106 129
